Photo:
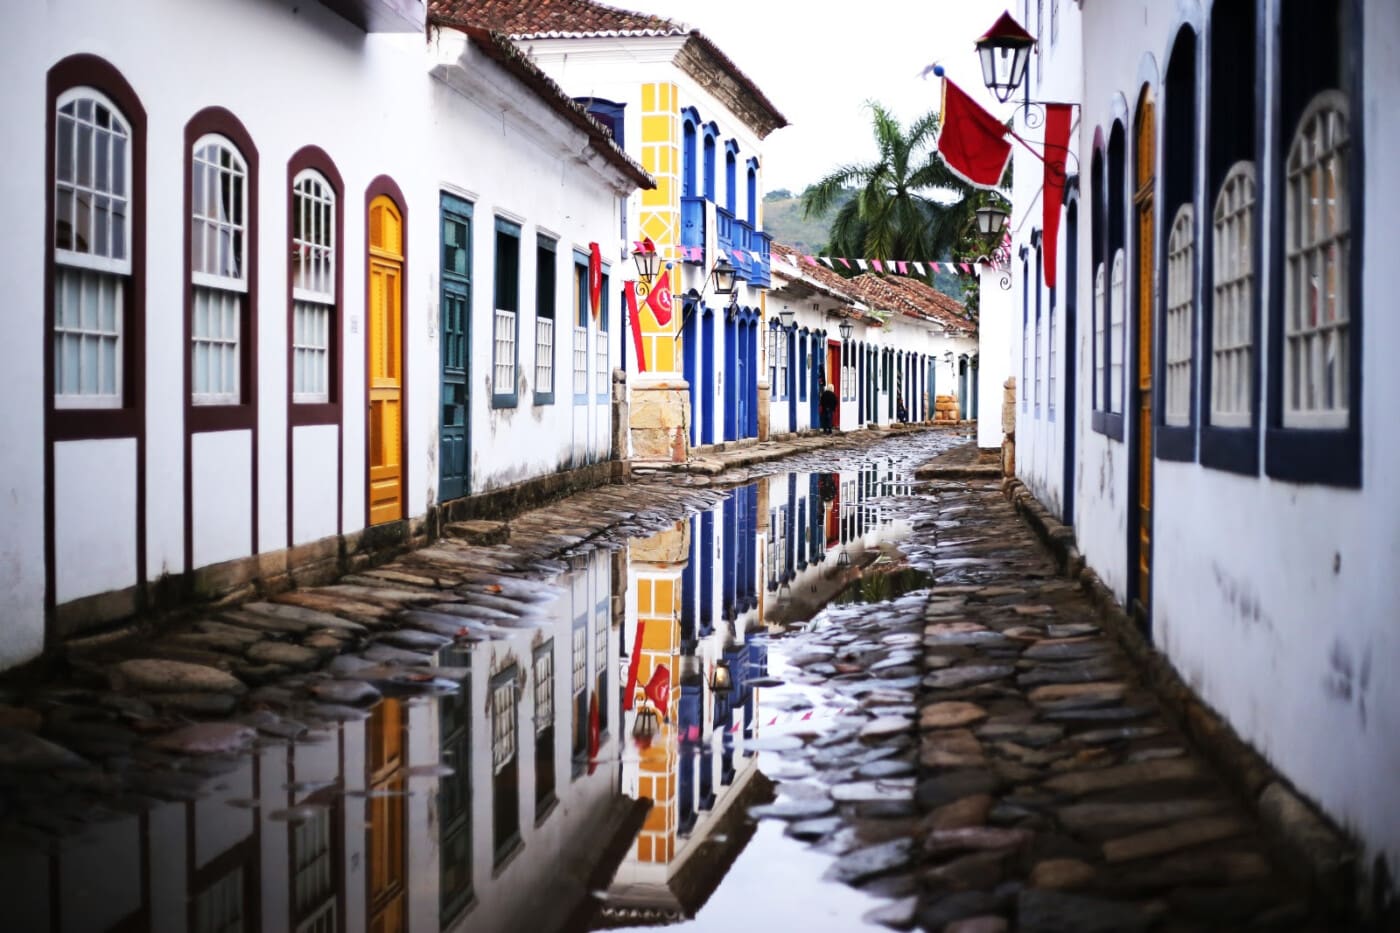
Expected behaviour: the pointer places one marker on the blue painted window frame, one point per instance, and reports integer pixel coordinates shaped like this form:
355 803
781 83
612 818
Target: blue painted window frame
711 137
731 175
602 335
690 125
752 194
506 268
546 305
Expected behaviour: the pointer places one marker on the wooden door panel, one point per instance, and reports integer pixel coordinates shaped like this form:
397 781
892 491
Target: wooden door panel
385 393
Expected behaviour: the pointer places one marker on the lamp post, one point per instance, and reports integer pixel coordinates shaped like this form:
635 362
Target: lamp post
787 315
1004 50
648 261
846 329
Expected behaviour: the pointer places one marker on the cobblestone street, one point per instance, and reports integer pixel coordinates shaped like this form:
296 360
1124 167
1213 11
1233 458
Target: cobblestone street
946 723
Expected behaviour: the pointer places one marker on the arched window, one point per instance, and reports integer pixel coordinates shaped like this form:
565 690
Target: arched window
752 191
1096 254
711 134
1116 300
92 237
218 270
731 176
1232 290
1316 312
690 120
314 279
1180 273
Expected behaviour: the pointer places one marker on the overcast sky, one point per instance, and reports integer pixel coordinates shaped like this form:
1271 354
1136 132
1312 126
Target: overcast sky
819 63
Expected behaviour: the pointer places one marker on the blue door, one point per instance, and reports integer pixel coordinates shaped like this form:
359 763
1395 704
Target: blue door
707 370
454 314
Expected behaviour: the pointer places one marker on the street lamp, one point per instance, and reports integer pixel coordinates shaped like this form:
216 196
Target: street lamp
991 219
787 314
644 726
648 261
846 330
1005 50
723 277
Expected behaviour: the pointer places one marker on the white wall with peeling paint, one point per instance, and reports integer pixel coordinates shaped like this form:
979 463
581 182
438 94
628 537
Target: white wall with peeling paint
1276 601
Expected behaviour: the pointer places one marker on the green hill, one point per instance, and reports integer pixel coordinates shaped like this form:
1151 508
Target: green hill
783 220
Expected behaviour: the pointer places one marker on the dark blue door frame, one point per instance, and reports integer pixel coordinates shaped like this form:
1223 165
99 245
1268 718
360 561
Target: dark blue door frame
454 428
689 349
707 370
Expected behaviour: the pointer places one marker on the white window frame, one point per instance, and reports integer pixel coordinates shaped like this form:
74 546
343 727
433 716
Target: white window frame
1116 316
313 287
1181 263
544 689
1232 272
544 355
504 728
1099 356
580 363
220 292
579 659
503 352
1039 369
1050 358
781 387
600 354
1316 353
89 346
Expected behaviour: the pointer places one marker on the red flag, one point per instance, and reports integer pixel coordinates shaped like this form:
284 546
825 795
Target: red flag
595 277
634 318
659 299
972 142
1057 119
658 689
636 658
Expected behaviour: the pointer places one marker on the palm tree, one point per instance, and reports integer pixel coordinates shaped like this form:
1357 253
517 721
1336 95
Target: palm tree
895 214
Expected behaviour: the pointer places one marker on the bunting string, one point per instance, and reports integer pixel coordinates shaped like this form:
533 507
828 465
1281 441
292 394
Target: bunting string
1001 256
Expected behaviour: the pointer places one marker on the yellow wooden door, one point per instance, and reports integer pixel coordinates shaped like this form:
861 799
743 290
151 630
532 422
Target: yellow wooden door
1145 183
385 361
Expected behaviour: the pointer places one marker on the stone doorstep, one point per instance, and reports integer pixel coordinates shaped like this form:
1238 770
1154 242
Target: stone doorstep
1309 839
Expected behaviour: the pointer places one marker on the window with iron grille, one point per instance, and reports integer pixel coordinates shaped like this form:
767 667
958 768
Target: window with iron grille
1114 387
505 315
313 286
1232 340
1181 251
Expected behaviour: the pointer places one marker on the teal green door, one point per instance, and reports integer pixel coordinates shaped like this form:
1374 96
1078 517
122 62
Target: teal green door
454 314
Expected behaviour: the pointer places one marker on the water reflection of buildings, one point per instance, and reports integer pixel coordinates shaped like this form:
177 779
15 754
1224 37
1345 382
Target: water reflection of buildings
362 828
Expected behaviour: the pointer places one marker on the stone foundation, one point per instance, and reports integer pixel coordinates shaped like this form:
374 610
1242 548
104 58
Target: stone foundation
660 422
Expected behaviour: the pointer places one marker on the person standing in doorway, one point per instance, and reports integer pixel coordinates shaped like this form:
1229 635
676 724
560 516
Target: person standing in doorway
828 407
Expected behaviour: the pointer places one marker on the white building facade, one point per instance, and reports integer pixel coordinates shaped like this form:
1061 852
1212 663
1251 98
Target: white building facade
1198 397
229 345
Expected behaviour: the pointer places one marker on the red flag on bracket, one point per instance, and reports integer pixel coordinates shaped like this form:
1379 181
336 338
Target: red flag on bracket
595 278
1057 126
971 141
659 298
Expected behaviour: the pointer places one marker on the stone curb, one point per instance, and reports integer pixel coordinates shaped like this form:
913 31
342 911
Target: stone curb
1309 842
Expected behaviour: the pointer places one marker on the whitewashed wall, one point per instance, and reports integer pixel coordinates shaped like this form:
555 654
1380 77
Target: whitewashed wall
1274 600
999 355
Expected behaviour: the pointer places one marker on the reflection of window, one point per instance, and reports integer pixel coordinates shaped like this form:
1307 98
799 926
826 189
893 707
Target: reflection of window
602 622
581 300
313 873
579 694
600 349
1316 241
1180 274
92 260
1232 342
220 908
385 829
505 789
544 726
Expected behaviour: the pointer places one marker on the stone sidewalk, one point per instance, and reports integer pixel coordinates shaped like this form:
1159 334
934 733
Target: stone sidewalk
1058 793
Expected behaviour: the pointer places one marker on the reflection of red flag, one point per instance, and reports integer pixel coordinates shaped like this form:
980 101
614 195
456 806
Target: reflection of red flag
659 300
595 732
658 689
634 317
641 623
971 141
1056 150
595 277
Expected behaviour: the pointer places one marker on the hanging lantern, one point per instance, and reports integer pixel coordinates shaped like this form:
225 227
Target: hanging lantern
1005 50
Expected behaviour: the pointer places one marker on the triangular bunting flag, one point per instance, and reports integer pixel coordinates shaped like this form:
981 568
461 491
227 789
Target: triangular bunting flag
861 263
843 262
903 267
876 264
810 260
919 269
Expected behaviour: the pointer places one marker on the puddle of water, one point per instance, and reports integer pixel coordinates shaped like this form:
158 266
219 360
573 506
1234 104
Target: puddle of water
592 768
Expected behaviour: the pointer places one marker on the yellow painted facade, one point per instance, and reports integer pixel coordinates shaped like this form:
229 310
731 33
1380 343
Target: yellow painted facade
661 210
658 611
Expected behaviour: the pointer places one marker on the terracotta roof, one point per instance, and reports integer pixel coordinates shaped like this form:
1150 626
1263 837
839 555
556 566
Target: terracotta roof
914 298
500 49
559 19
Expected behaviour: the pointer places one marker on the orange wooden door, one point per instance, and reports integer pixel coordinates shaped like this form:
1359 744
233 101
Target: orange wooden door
386 499
1146 179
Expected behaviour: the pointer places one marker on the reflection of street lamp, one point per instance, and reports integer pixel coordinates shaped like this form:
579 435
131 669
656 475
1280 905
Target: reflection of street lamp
784 594
721 681
644 726
843 559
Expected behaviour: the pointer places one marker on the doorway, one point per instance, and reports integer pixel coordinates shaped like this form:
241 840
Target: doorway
453 315
1140 524
385 369
833 378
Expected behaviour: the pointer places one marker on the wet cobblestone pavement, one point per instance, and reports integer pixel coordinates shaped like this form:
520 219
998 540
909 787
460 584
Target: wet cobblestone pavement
924 703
